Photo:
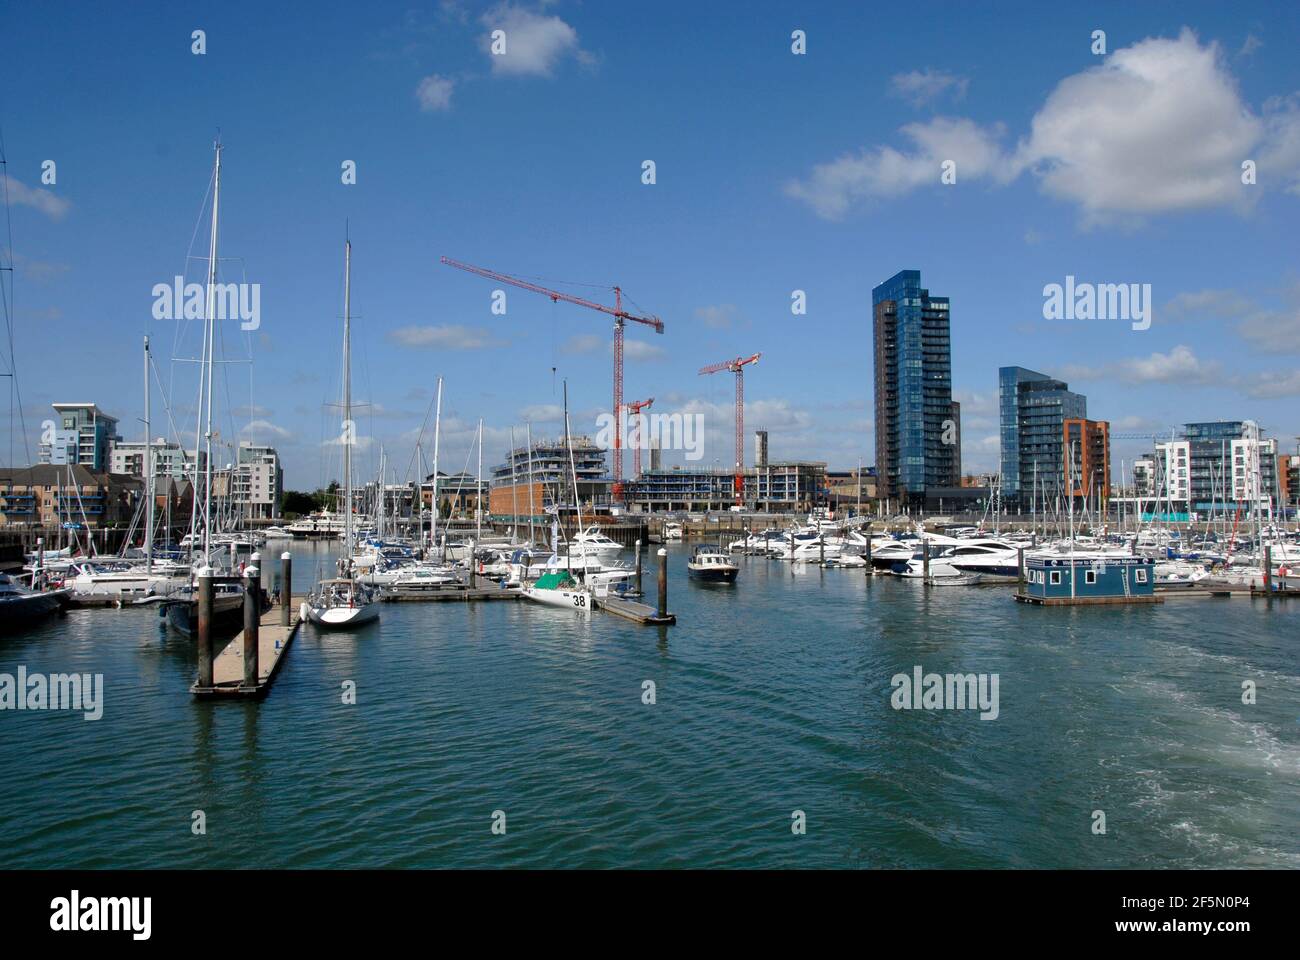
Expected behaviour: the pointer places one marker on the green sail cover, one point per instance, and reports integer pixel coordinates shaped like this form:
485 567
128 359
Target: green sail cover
555 581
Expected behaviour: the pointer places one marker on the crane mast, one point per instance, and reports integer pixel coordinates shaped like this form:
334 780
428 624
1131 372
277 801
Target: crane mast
737 367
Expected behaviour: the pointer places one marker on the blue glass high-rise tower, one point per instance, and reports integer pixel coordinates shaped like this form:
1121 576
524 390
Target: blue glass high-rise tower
916 430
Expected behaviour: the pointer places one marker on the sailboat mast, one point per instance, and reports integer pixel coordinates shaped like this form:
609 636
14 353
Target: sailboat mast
437 435
478 493
347 400
577 501
148 470
210 340
531 506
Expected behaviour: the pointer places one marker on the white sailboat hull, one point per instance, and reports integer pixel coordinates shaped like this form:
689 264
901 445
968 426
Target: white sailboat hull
342 617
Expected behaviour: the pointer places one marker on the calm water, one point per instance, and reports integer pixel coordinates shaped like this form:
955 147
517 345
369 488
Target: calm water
772 696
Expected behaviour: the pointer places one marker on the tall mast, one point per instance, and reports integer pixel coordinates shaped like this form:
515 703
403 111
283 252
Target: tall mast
478 492
577 501
210 342
531 506
148 470
514 492
347 399
437 433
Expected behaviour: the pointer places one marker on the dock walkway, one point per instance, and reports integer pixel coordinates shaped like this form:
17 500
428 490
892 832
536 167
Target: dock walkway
273 643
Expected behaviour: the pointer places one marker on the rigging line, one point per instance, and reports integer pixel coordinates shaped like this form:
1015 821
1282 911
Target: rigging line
182 325
15 390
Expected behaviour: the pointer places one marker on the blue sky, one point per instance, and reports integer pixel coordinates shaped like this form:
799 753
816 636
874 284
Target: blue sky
775 172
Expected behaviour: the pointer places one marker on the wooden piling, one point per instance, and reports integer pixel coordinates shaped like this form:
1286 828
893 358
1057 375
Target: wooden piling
1268 571
663 582
1020 566
252 620
925 560
205 591
638 567
473 564
286 586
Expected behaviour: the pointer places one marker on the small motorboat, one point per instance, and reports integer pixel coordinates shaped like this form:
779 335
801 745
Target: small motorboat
709 564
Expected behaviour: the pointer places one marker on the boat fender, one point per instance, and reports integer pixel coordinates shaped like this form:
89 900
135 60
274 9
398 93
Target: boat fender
302 611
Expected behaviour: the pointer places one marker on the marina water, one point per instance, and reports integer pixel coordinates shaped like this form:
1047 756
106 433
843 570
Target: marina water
771 696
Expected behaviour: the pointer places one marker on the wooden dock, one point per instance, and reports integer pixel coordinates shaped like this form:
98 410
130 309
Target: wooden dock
273 643
634 611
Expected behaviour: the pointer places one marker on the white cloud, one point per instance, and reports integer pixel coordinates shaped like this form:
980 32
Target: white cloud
1269 386
1158 127
833 188
717 316
584 343
1180 366
434 93
447 336
542 413
535 43
639 350
38 198
265 427
1270 329
919 87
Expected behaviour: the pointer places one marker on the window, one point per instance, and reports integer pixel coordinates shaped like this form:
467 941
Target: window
1140 575
1056 576
1090 576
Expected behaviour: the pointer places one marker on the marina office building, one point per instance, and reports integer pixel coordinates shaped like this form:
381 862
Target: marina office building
917 423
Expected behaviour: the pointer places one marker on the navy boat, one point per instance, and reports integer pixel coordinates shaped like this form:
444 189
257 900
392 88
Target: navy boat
21 607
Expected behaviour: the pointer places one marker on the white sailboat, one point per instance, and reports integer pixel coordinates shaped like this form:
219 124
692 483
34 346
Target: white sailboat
343 602
557 587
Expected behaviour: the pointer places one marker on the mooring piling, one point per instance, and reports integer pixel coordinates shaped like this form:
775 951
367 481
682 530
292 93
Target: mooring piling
286 586
205 588
252 620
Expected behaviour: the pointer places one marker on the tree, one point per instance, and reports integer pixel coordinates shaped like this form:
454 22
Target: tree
297 502
445 510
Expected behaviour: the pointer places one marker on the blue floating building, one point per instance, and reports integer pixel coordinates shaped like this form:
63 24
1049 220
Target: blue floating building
1062 579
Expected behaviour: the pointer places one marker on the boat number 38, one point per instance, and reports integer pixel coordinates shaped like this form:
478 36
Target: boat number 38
579 599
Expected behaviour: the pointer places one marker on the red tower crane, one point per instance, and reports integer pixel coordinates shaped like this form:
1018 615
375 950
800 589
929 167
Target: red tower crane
620 316
737 367
633 408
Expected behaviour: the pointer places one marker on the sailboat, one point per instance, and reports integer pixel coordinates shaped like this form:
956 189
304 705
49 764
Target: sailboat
180 608
343 602
556 587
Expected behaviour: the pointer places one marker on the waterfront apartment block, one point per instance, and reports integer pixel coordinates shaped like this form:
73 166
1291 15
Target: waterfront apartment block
776 486
1216 467
913 390
258 481
1033 409
170 459
52 497
79 433
541 473
1087 450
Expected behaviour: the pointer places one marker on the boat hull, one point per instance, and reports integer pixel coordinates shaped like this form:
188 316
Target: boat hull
715 574
576 600
343 618
25 610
